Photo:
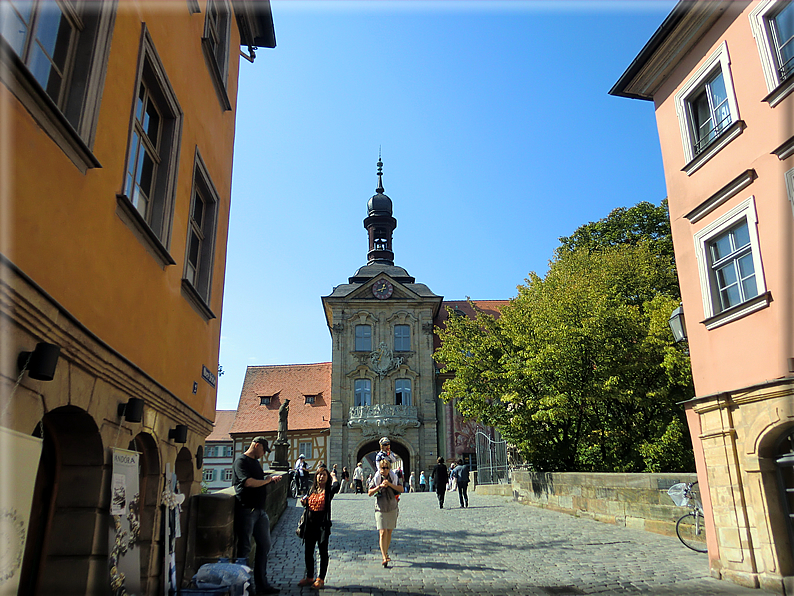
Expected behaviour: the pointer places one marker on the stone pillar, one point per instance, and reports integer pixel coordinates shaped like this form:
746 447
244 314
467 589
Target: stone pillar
281 456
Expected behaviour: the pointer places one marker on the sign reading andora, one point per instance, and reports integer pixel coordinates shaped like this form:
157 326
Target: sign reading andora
207 375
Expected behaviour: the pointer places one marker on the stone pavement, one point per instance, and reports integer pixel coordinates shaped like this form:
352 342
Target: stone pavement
495 547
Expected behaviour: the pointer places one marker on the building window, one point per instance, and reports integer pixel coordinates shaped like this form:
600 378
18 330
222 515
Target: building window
306 449
790 187
217 29
363 338
201 238
707 110
264 400
54 59
729 263
772 22
149 186
402 392
210 451
228 451
363 395
209 475
227 475
402 338
309 399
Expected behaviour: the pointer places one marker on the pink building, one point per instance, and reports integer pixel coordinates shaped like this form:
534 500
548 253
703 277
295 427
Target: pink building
721 77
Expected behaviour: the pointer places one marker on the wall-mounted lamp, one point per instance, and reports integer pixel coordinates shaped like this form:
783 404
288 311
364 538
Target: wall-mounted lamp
678 325
132 410
41 362
178 434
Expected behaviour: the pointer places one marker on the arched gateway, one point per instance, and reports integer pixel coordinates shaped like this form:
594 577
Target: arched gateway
366 455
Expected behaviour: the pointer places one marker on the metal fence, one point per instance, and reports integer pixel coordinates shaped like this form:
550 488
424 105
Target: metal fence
491 460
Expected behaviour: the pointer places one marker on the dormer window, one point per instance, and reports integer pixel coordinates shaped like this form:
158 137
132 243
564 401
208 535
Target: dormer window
309 399
264 400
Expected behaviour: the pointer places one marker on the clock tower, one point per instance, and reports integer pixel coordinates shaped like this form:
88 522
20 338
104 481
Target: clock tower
383 374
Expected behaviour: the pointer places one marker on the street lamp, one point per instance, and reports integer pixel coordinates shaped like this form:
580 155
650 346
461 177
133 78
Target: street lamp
678 325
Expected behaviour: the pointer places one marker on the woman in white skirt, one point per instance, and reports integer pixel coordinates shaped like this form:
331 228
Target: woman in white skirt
385 486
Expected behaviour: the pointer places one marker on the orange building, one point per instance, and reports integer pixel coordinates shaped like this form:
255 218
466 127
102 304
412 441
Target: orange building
265 389
721 78
118 123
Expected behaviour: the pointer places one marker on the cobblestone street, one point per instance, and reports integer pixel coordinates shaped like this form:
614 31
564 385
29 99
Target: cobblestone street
494 547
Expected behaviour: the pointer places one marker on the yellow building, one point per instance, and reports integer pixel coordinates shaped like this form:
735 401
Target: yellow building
117 132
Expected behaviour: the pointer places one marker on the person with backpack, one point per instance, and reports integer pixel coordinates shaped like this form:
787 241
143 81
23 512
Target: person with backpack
462 473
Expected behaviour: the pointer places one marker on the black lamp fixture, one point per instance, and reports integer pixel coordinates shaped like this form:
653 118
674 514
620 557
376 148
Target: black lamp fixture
132 411
678 325
41 362
178 433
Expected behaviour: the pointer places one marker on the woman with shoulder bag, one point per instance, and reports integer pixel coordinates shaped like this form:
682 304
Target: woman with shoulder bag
385 487
318 524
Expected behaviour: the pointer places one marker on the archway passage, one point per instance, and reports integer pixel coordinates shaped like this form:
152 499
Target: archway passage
366 455
65 517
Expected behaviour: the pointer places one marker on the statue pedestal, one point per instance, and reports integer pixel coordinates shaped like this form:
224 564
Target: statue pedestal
281 456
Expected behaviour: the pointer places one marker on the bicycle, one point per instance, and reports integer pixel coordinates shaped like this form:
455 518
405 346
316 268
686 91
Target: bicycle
690 527
294 485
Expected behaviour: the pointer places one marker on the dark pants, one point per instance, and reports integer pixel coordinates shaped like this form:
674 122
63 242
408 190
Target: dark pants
463 493
254 522
320 539
359 487
441 494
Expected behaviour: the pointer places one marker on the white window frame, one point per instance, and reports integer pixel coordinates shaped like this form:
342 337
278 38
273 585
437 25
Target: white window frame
305 448
360 402
361 346
209 475
790 187
228 475
714 317
210 451
760 18
309 399
402 343
409 400
719 60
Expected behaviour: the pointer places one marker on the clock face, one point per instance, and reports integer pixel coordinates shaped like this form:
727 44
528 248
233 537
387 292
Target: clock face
382 289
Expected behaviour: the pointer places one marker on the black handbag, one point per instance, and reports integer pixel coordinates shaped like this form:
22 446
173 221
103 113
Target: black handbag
301 529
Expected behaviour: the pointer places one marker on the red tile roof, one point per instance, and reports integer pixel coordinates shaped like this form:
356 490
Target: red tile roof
490 307
223 422
279 382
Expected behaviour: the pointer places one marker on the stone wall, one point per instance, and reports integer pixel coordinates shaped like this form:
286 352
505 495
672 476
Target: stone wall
637 501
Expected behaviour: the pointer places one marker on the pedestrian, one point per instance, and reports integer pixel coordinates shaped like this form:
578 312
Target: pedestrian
411 480
385 487
369 481
422 482
302 470
463 483
250 517
452 484
439 478
318 525
345 480
358 479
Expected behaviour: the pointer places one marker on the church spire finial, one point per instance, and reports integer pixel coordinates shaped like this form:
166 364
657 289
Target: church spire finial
380 173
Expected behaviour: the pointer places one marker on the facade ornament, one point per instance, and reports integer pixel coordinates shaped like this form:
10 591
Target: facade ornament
338 328
383 360
383 419
427 328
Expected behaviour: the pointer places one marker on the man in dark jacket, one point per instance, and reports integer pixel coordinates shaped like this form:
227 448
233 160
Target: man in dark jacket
250 517
462 472
440 478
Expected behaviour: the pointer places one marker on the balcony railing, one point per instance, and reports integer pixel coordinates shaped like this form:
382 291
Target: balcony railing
383 419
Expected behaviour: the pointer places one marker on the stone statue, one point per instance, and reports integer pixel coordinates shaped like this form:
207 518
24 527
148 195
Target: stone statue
283 412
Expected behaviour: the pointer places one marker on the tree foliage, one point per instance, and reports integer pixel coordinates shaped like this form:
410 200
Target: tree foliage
580 371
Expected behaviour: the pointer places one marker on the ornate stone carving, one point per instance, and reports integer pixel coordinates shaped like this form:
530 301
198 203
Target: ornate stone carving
383 360
338 328
427 328
383 419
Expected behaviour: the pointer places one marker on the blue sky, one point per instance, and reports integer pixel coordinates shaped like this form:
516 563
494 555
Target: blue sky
497 134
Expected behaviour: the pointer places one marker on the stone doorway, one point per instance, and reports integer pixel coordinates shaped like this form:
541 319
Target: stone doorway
368 451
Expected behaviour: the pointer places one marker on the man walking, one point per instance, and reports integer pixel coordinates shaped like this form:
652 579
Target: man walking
462 472
250 517
358 479
302 471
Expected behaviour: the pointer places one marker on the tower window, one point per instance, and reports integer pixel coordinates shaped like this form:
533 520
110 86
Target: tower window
402 392
363 338
363 388
402 338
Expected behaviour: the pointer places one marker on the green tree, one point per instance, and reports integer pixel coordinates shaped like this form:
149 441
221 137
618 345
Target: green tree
580 371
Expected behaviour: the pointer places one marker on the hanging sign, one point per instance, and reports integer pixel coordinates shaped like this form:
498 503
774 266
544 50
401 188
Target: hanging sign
19 463
125 528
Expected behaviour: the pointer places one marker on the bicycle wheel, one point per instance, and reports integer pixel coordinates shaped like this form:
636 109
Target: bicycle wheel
691 531
293 489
